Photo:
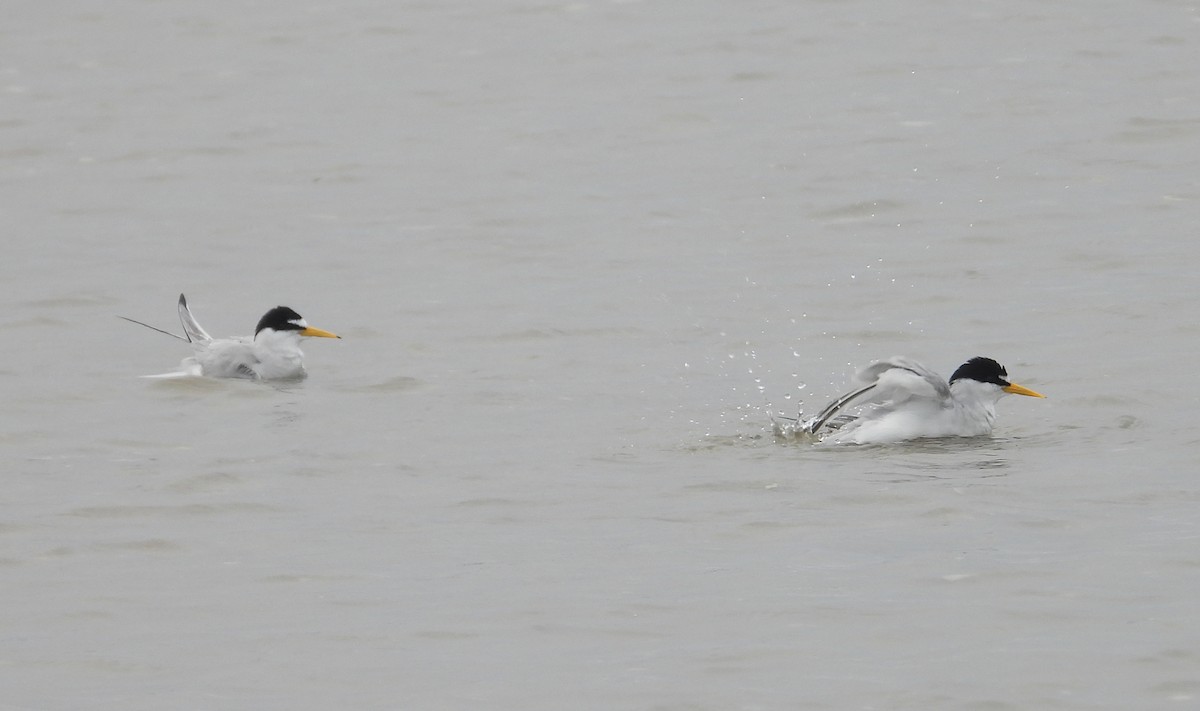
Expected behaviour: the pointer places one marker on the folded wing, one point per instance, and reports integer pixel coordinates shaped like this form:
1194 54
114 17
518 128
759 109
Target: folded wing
229 358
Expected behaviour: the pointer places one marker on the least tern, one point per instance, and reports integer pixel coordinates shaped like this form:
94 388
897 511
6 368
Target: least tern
910 401
272 353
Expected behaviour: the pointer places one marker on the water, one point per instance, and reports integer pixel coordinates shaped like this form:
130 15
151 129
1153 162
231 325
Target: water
580 254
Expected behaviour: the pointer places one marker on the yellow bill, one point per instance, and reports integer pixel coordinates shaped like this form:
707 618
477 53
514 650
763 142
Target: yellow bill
1020 390
318 333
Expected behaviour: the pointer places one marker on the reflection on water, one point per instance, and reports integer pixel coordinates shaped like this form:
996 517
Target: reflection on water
191 385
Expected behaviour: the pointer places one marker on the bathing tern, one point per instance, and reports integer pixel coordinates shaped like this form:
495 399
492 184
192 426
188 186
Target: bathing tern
909 401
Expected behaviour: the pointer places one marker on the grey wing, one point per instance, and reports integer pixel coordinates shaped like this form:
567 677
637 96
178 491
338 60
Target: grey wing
890 381
898 378
190 326
228 358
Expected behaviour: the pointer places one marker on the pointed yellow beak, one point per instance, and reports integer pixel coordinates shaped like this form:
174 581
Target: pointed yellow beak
1020 390
318 333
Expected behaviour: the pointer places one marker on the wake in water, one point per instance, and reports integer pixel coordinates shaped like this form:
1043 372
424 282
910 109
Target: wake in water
802 429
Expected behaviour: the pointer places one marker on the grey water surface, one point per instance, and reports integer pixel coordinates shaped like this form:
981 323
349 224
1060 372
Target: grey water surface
580 255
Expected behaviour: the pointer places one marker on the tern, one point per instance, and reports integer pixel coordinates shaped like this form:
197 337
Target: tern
272 353
911 401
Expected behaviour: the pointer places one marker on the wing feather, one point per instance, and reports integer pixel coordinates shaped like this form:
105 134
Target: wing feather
898 379
191 327
888 383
